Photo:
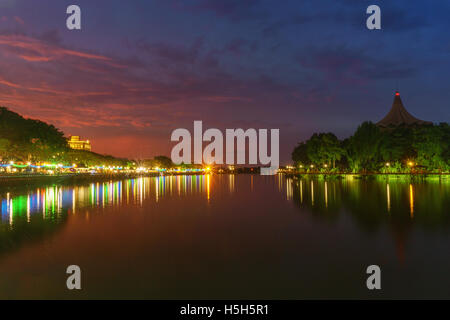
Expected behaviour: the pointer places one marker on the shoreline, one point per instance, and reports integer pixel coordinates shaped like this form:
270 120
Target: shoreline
8 182
368 176
15 178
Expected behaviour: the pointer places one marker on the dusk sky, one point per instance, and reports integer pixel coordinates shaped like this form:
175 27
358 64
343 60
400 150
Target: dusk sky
140 69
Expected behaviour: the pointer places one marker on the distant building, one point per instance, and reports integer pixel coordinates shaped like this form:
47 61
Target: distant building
398 116
77 144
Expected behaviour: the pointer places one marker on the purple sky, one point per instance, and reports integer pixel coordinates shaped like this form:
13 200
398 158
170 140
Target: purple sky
140 69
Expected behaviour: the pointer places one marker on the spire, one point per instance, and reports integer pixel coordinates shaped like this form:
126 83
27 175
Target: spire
399 115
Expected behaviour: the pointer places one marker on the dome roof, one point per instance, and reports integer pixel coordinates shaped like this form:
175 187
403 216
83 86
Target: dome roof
398 116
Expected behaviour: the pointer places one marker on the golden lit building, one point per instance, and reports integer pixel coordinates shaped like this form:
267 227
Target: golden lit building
76 143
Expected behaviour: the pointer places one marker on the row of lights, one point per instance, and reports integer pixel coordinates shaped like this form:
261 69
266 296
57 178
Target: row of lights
60 165
410 163
103 167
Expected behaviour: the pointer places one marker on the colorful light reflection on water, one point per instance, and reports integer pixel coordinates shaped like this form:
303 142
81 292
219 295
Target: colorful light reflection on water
221 236
50 202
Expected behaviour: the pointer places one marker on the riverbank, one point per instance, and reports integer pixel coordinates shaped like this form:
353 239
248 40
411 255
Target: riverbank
13 181
371 176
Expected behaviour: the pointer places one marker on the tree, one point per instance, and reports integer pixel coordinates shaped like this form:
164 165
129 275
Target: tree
30 138
363 147
332 148
430 145
33 140
158 161
324 148
4 148
163 162
396 145
300 155
370 148
445 128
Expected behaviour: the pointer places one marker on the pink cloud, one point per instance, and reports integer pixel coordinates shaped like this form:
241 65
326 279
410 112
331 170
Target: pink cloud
9 84
39 51
104 98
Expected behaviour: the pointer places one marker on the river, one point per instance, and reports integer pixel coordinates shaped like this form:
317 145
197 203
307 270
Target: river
227 236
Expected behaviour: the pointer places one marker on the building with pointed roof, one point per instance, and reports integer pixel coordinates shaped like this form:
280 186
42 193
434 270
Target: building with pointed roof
399 116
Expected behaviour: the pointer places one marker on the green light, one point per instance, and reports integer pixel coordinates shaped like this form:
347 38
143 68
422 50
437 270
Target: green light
20 165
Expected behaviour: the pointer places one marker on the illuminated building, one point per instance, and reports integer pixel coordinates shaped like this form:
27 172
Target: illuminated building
76 143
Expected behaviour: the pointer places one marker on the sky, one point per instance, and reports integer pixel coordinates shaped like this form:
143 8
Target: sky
137 70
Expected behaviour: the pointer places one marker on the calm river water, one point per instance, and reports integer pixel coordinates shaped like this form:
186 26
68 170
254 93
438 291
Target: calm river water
227 236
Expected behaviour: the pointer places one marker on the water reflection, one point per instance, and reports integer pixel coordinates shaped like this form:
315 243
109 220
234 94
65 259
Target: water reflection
45 202
28 216
388 197
262 228
369 200
398 204
231 182
53 201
